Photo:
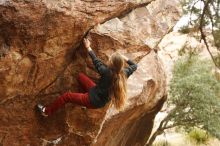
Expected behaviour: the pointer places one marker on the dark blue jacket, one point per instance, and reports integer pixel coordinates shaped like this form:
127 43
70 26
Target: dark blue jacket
99 95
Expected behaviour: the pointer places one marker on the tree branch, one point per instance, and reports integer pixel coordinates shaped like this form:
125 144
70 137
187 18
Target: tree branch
191 11
212 20
203 36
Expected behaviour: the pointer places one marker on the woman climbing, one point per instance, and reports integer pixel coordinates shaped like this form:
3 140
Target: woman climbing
110 87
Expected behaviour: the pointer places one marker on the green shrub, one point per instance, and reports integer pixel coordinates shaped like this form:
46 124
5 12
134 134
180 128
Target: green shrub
199 136
193 99
195 93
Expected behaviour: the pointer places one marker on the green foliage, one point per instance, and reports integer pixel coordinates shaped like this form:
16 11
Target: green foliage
161 143
199 136
194 93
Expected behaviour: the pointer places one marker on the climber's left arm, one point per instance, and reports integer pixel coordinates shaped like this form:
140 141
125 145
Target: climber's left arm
131 68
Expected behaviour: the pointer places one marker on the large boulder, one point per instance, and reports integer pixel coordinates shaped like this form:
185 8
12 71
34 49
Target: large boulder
41 55
38 38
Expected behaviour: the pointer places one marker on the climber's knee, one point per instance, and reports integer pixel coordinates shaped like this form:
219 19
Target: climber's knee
65 97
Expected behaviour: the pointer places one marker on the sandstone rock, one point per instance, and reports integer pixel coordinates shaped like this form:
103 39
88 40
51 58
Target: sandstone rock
47 32
41 55
146 87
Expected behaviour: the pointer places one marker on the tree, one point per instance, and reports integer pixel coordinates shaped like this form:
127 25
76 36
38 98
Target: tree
204 14
194 98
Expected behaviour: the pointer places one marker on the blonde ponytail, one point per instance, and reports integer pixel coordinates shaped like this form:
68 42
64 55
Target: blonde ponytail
118 88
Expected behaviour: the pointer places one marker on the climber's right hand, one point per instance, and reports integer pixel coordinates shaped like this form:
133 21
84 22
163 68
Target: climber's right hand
87 44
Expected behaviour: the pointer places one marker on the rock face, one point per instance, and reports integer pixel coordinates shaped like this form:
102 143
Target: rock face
41 55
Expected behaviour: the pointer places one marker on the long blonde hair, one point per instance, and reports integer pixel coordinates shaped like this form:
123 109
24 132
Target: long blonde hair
118 89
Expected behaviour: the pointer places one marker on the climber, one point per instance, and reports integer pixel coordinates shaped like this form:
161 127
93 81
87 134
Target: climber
112 83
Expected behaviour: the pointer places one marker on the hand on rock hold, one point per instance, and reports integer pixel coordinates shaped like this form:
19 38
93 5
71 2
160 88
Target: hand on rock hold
87 44
124 57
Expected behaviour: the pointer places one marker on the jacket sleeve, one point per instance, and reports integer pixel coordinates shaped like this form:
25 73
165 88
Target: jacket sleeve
131 68
100 67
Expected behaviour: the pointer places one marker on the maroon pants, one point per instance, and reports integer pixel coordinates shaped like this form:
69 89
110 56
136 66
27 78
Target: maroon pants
77 98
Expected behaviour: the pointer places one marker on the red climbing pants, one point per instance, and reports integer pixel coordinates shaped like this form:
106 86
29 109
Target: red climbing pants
76 98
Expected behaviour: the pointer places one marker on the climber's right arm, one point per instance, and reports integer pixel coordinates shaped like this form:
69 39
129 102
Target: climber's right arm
100 67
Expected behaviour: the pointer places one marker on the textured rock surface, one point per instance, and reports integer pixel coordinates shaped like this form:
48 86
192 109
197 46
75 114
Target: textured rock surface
41 55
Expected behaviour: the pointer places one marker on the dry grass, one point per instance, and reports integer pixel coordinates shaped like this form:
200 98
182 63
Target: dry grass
178 139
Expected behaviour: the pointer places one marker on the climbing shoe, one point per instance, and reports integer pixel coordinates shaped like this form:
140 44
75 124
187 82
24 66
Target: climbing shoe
41 109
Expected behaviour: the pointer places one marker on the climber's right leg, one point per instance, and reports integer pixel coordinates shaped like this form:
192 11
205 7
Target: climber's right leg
86 82
76 98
